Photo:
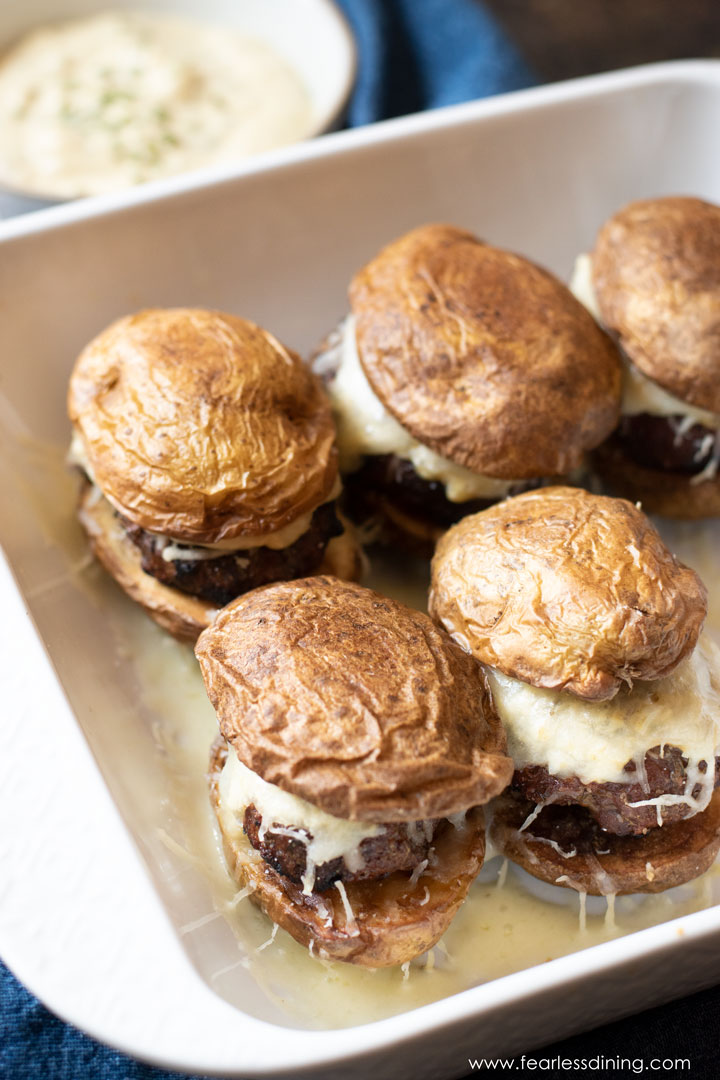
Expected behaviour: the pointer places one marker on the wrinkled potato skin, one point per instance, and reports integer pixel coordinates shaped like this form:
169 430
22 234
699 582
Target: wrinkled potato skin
567 590
202 426
395 922
656 272
354 702
483 356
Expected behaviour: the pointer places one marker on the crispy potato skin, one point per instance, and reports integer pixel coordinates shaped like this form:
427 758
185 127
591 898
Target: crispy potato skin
354 702
567 590
395 920
483 356
664 857
656 272
202 426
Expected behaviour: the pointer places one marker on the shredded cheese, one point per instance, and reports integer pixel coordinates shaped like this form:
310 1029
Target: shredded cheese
350 922
594 740
332 837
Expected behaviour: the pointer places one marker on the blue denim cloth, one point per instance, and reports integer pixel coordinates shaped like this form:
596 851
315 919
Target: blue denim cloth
413 55
421 54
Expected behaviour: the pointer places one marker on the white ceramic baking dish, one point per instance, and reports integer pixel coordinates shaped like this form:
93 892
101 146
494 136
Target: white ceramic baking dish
96 916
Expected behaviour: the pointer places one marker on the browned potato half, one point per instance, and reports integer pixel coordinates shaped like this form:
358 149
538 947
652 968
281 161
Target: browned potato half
393 919
483 356
202 426
656 272
567 590
354 702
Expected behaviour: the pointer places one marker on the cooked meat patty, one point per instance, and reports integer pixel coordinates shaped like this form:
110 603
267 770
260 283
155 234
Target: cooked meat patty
664 442
399 847
219 580
396 479
564 845
572 828
610 804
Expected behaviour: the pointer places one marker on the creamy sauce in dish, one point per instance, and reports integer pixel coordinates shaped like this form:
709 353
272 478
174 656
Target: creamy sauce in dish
93 105
510 920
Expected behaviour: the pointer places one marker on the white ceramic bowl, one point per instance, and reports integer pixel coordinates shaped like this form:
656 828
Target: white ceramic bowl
97 916
312 36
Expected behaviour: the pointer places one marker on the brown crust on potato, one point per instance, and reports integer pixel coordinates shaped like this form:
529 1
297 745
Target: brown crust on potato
354 702
185 617
396 919
567 590
202 426
664 857
656 272
659 491
483 356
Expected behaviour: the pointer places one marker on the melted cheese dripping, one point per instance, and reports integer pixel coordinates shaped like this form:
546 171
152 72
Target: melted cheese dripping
366 427
594 740
350 922
640 394
332 837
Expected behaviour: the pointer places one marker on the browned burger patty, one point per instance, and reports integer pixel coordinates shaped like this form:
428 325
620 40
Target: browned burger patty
220 580
661 442
610 804
395 478
397 848
564 845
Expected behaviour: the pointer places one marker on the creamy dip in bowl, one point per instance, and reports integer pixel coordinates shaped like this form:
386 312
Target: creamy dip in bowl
96 104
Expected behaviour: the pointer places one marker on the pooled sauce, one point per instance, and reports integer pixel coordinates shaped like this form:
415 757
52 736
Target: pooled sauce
93 105
510 920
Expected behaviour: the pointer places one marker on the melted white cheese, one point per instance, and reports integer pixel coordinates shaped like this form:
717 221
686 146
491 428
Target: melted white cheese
92 105
180 549
594 740
640 394
366 427
332 837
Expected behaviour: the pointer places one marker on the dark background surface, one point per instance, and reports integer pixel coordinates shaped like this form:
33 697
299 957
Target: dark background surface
561 39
